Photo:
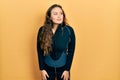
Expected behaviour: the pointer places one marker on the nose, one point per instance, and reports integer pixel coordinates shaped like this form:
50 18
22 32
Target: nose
59 15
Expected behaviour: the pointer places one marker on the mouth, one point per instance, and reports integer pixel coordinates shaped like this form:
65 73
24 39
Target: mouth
58 19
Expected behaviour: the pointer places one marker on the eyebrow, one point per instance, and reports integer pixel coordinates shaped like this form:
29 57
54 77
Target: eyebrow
57 12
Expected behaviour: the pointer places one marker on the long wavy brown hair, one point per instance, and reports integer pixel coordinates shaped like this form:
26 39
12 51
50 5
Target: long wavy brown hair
46 34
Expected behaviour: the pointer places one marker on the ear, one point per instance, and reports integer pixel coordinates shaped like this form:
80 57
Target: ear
49 17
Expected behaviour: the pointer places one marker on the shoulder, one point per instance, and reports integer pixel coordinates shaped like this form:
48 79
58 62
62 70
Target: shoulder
40 29
70 28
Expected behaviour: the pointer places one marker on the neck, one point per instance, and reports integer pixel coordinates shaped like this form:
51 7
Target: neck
54 28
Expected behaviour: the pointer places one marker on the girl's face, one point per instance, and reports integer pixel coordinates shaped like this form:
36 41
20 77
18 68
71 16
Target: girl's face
56 15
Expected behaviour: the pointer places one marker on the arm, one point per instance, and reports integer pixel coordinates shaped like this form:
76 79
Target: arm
40 52
71 49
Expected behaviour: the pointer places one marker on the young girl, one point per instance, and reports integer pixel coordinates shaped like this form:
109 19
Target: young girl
55 45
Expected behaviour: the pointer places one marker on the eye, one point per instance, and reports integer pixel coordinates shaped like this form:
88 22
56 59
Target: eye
55 13
61 13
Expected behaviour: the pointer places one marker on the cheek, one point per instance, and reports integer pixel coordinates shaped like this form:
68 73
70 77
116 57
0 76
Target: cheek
53 18
62 17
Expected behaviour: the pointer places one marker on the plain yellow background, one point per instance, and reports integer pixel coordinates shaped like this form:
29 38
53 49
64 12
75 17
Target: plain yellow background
97 27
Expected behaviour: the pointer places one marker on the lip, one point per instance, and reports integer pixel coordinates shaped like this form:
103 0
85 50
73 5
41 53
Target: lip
58 19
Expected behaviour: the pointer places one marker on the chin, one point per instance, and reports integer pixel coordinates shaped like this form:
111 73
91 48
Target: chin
58 22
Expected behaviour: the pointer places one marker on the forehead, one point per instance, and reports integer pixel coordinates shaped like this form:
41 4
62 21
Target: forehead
56 9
